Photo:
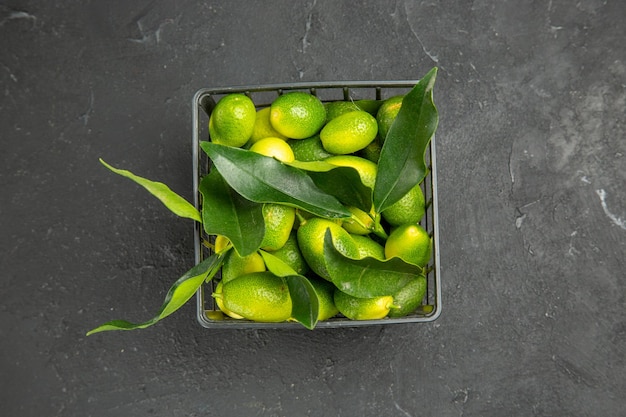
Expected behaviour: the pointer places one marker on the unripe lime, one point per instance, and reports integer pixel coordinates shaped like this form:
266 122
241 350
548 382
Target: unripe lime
349 132
387 114
232 120
274 147
279 220
356 308
297 115
311 241
259 296
411 243
409 209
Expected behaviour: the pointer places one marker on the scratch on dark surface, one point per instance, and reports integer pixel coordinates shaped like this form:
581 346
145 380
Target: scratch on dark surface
87 114
571 371
307 28
614 218
430 55
397 406
17 15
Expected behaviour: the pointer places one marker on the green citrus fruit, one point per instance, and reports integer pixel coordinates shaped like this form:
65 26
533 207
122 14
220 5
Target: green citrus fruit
259 296
349 132
291 255
411 243
371 152
232 120
356 308
220 303
262 127
387 114
274 147
309 149
235 265
337 108
221 244
409 297
367 169
325 294
353 227
297 115
279 220
409 209
311 241
369 247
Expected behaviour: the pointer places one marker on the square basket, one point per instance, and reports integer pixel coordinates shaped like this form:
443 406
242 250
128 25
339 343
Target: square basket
263 95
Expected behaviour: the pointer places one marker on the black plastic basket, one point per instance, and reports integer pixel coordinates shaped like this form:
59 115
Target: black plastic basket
262 95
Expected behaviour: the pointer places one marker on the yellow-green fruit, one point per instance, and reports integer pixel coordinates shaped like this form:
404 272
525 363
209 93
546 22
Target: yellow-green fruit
409 209
349 132
371 152
337 108
297 115
356 308
232 120
369 247
409 297
279 220
309 149
221 243
387 114
411 243
291 255
367 169
353 226
259 296
311 241
220 304
274 147
263 128
325 295
235 265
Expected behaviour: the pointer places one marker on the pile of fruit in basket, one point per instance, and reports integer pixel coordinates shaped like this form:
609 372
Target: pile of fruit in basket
311 209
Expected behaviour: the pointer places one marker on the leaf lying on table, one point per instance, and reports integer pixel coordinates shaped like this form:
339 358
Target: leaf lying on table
401 164
175 203
179 293
225 212
305 304
367 277
267 180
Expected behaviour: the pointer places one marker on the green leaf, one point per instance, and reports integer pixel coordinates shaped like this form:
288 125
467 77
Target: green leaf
179 293
175 203
401 164
267 180
342 182
305 303
225 212
367 277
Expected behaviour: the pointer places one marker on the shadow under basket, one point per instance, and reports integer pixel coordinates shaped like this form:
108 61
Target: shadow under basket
204 101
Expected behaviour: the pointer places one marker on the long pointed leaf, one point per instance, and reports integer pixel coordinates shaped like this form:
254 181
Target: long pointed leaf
401 164
225 212
304 300
175 203
266 180
367 277
179 293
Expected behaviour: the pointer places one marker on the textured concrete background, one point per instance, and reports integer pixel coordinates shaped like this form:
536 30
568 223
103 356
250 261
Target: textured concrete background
531 151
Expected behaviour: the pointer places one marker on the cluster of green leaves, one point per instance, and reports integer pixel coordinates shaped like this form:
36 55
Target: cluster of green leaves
241 181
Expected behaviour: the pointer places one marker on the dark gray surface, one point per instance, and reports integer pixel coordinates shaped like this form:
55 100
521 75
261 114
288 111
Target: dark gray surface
532 207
